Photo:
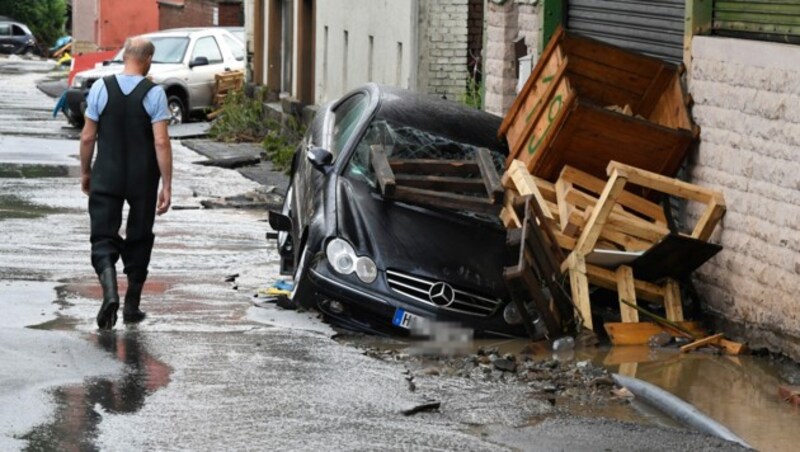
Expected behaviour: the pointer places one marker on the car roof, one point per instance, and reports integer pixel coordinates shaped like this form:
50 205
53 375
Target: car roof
439 116
184 32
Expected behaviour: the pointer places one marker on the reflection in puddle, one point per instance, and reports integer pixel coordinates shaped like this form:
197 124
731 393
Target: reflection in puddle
74 427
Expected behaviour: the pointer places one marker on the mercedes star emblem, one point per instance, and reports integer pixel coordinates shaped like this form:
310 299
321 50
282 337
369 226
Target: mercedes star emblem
442 294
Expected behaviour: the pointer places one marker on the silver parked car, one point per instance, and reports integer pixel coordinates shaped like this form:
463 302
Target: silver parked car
185 62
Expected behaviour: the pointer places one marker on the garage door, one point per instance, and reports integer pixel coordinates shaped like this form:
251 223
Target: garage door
652 27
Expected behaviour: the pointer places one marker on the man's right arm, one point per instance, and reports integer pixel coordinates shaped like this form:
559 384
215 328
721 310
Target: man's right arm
88 137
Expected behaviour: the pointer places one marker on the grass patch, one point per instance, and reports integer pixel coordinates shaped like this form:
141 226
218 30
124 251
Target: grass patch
244 120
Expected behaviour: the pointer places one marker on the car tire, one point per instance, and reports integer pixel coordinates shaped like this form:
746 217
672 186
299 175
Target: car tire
303 293
177 110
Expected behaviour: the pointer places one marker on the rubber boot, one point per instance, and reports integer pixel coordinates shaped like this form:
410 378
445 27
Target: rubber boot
107 316
131 312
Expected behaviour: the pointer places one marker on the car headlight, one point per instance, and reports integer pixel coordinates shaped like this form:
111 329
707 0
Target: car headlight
77 82
366 269
344 260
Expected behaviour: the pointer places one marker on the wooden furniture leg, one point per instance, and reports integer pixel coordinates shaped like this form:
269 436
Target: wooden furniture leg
627 292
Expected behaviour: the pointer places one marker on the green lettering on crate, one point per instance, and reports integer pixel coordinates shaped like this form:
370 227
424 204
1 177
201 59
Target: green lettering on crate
545 81
532 147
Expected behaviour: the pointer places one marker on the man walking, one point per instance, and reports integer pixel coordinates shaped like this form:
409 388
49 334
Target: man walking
127 115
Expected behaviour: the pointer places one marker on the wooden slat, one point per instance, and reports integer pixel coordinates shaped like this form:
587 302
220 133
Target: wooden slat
626 291
672 301
565 209
701 343
595 185
446 200
640 333
494 189
526 185
711 217
462 168
607 279
441 183
591 232
579 285
383 172
666 185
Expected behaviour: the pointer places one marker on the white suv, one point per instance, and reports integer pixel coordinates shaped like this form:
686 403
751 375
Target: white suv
184 63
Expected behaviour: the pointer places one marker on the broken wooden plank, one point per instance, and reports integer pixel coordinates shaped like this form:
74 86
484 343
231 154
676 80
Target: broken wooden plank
710 340
711 217
607 279
491 179
567 227
383 172
666 184
579 285
526 185
640 333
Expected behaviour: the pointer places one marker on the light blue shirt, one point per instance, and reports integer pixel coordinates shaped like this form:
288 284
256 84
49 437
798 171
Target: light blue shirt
155 102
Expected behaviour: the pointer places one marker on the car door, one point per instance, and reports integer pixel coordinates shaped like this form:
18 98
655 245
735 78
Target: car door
201 78
339 131
6 39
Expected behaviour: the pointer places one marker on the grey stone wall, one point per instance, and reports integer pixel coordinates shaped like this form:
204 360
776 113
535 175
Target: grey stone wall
507 23
443 42
747 103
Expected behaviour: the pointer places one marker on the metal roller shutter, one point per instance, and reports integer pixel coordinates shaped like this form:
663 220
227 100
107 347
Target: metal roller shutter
772 20
653 27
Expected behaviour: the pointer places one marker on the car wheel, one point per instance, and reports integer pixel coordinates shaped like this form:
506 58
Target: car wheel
303 293
177 110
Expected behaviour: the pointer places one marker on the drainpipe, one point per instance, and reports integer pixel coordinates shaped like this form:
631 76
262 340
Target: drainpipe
677 409
413 63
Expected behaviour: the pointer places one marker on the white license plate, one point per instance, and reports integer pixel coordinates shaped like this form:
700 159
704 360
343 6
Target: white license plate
404 319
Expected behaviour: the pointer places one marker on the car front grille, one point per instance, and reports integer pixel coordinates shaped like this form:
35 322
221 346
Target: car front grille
419 288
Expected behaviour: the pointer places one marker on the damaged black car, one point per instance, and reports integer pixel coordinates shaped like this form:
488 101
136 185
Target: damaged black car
373 263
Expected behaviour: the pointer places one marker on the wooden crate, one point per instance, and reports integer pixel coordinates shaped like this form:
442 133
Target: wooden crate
572 111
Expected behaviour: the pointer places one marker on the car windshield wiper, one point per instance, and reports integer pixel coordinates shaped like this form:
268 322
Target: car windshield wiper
163 62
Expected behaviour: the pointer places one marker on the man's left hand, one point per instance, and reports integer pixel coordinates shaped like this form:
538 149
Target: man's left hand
164 201
85 182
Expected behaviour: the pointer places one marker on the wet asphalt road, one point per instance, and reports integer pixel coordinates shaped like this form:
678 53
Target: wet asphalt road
207 370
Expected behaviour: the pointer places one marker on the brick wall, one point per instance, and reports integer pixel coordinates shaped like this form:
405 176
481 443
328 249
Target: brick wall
231 14
506 24
198 13
443 47
747 102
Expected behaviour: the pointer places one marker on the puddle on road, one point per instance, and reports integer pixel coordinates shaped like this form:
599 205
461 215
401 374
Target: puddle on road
739 392
13 207
79 408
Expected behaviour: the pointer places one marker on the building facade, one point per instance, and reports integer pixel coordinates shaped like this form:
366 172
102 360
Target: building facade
200 13
743 72
105 24
315 51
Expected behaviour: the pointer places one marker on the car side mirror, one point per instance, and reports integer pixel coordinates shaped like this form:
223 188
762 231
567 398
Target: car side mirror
106 62
279 221
199 61
320 158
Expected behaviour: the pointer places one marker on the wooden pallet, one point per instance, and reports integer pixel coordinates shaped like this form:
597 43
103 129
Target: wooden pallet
537 268
224 83
472 185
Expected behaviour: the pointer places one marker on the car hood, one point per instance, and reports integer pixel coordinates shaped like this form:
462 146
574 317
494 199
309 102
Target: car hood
465 252
156 70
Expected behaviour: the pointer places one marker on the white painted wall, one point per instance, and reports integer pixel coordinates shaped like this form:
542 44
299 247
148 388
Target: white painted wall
389 22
